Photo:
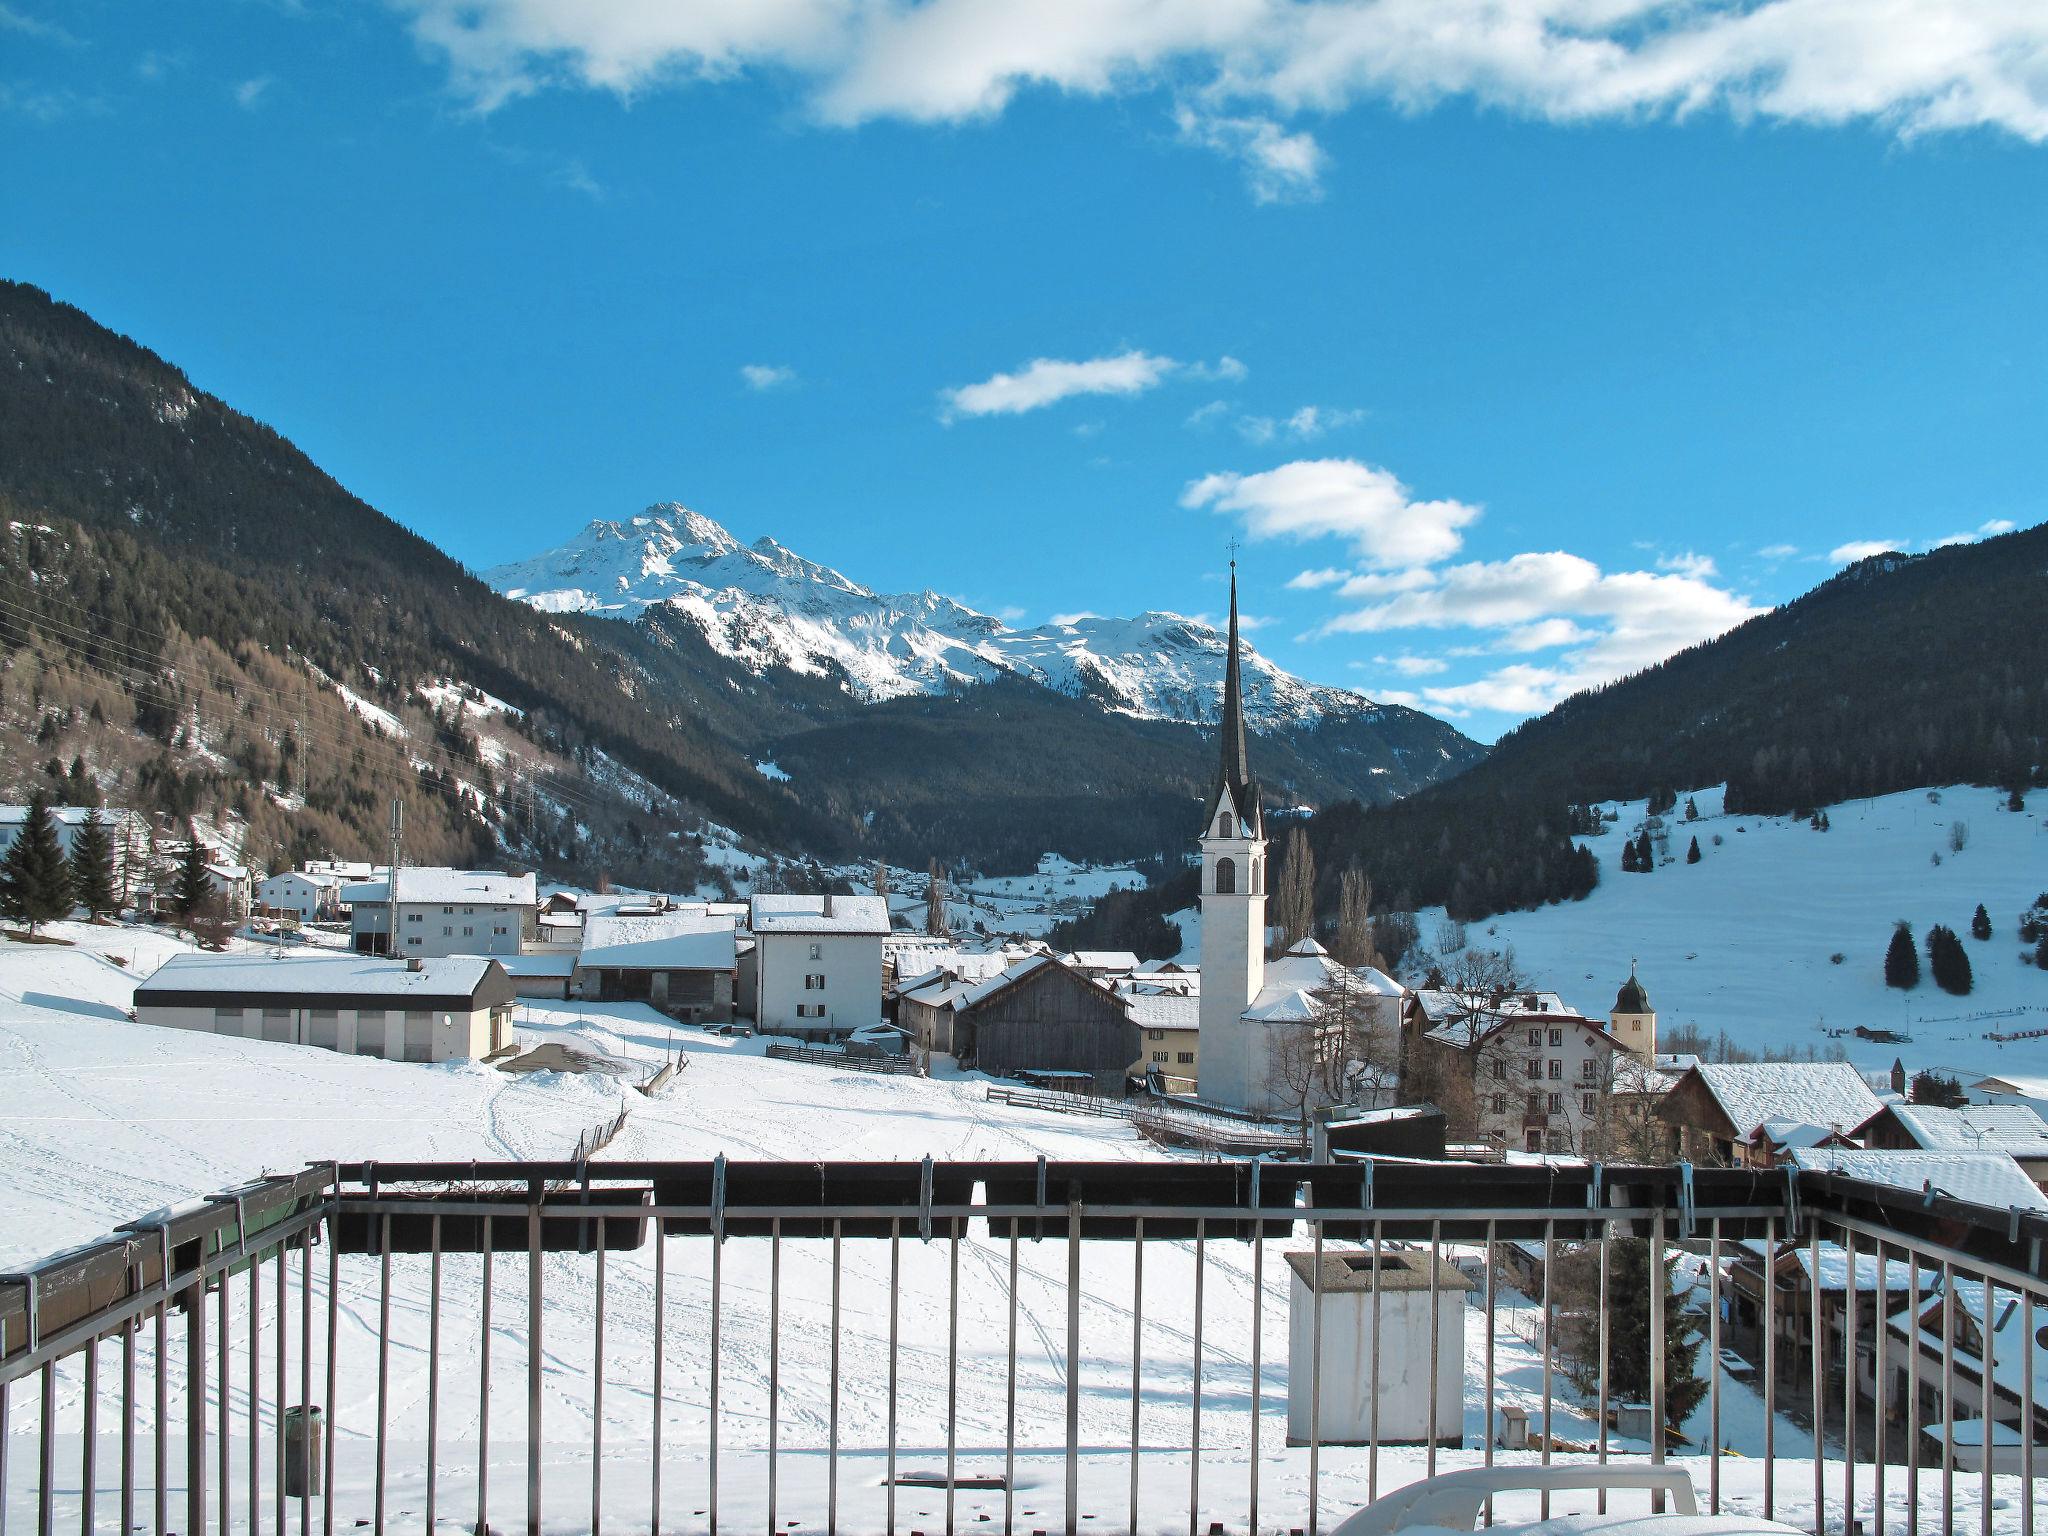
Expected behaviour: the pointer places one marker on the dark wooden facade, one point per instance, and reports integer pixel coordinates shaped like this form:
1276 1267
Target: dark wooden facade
1050 1019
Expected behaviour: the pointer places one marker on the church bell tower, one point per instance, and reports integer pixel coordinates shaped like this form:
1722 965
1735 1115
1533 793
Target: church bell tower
1233 843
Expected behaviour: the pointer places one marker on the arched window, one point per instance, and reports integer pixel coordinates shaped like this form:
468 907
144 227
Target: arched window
1258 876
1224 827
1226 877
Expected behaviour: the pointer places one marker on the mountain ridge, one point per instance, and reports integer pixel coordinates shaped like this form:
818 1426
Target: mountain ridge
764 604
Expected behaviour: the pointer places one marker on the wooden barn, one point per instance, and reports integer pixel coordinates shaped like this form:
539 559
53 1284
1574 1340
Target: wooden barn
1044 1016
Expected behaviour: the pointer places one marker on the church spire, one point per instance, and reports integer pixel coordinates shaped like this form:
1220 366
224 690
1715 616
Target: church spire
1236 771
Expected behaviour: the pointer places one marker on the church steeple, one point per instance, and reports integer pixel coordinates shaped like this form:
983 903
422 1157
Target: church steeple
1235 790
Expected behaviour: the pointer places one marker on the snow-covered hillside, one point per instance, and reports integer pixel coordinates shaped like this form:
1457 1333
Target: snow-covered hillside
1746 939
764 605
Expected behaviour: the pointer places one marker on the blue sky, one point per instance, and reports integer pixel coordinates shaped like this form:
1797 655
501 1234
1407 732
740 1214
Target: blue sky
1517 353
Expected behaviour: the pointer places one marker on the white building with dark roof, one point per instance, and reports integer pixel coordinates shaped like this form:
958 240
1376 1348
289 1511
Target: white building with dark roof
444 1009
817 963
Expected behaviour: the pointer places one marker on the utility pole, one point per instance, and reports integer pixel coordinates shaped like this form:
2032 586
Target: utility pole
391 881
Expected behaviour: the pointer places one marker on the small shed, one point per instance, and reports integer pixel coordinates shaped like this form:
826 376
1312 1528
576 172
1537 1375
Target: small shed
1353 1375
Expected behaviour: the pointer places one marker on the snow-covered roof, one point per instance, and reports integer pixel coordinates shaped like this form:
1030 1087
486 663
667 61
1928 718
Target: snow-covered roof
862 915
1163 1010
2009 1128
1442 1006
1293 1007
938 990
1792 1135
65 815
449 887
662 941
2012 1352
562 965
1008 974
2019 1084
1829 1093
307 976
1982 1178
310 877
1106 959
1834 1269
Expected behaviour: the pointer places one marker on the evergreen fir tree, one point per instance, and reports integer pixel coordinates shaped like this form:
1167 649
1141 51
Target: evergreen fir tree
92 867
193 886
1980 923
1646 856
1628 857
1948 961
1692 810
1902 960
35 882
1692 854
1628 1323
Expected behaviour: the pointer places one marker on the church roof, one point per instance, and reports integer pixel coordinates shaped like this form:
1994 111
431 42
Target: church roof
1632 998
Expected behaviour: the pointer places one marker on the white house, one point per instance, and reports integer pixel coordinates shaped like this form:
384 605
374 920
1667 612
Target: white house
1540 1071
818 963
309 897
420 1010
443 912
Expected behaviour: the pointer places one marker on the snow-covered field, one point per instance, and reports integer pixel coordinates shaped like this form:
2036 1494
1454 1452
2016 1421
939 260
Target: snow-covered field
1744 940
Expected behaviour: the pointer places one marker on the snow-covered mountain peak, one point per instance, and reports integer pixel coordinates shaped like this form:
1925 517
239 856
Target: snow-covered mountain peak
765 606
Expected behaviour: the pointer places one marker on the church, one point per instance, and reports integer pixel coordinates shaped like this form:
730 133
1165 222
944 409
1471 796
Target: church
1250 1009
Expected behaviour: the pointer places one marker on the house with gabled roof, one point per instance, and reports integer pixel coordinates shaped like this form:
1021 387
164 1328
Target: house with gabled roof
2012 1129
1717 1107
1045 1017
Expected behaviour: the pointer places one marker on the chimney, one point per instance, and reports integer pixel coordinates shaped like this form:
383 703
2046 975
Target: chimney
415 963
828 904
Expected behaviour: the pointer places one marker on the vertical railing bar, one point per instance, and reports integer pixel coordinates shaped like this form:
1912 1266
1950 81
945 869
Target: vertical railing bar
1912 1393
1770 1268
952 1367
660 1356
6 1391
383 1363
1315 1373
596 1391
2030 1341
1880 1382
305 1383
832 1402
1849 1380
255 1394
1606 1342
333 1356
128 1333
1714 1367
895 1291
1195 1422
222 1350
774 1357
1138 1358
283 1377
1948 1398
536 1286
1658 1287
195 1408
1073 1457
1987 1405
1818 1383
161 1500
1486 1441
483 1390
433 1368
1010 1411
89 1461
46 1458
1258 1377
717 1336
1549 1354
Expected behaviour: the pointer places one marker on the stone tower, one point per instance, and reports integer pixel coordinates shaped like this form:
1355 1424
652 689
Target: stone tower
1633 1020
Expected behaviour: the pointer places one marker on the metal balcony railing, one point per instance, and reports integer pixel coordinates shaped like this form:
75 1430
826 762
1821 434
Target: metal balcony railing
1026 1346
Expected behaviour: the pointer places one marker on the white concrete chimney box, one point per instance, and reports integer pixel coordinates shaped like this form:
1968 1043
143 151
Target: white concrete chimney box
1349 1383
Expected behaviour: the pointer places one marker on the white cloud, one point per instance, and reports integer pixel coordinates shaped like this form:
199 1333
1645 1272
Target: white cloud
1074 618
1257 430
766 376
1414 666
1243 72
1862 549
249 94
1342 498
1225 370
1312 421
1279 167
1047 380
1995 526
1689 564
1311 581
1779 551
1202 415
